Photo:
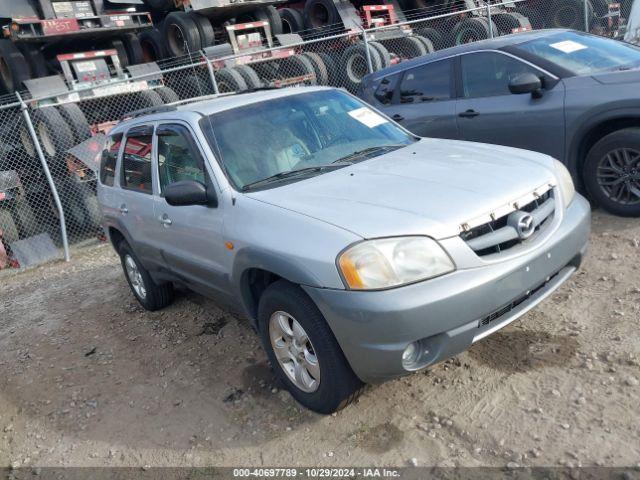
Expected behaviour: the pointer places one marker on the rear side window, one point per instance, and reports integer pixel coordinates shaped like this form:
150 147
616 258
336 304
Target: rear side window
427 83
136 162
384 92
109 159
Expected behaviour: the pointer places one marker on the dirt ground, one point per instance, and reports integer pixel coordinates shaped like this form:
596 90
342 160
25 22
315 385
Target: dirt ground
90 379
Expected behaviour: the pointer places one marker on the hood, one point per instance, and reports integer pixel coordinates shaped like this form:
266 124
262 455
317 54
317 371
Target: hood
428 188
614 78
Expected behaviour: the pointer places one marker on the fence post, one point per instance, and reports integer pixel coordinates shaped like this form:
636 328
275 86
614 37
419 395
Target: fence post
366 50
47 173
489 19
212 75
585 5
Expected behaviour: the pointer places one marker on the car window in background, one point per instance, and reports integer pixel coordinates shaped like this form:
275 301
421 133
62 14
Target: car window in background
296 132
428 82
584 54
384 92
488 74
177 158
109 158
136 164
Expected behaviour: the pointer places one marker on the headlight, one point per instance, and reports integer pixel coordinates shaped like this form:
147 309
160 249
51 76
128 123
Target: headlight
391 262
565 183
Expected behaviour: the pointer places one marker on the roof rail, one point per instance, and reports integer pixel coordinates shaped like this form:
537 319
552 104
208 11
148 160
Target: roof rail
148 111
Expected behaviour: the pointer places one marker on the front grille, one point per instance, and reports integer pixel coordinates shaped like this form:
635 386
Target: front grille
508 308
500 234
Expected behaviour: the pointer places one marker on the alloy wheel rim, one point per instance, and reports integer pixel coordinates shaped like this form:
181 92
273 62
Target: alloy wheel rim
133 273
294 351
618 175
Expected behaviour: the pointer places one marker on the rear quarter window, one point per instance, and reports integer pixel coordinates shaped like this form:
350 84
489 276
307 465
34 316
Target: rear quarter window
109 159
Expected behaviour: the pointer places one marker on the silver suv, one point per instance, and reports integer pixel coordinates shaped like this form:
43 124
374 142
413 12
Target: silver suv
357 250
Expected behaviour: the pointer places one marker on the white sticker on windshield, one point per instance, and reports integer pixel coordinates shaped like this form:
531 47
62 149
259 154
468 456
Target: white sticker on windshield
368 117
568 46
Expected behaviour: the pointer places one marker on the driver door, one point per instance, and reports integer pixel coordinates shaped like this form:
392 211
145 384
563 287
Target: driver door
190 237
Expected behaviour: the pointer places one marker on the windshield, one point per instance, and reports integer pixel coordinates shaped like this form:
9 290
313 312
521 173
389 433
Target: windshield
584 54
298 136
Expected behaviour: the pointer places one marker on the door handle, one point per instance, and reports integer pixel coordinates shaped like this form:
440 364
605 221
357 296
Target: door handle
165 220
468 114
397 117
123 209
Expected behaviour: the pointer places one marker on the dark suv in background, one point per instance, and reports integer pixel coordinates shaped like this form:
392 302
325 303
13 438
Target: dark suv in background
568 94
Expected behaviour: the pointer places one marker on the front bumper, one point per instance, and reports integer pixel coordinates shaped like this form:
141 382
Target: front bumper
448 314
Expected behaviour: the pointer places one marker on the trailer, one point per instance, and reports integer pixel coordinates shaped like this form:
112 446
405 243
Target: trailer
36 33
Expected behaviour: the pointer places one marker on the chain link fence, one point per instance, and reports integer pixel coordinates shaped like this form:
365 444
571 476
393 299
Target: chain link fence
50 147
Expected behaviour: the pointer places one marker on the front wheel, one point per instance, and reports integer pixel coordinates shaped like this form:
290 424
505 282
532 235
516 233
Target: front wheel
303 351
612 172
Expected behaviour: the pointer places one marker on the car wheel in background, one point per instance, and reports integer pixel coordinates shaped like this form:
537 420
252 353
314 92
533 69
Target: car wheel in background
150 295
303 351
249 76
612 172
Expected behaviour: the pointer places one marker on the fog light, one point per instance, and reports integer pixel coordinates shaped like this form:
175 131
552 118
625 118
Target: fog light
410 355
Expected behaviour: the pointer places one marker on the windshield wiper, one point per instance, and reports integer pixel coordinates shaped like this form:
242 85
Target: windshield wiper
352 157
288 174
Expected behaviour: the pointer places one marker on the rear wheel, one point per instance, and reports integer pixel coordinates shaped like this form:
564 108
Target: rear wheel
181 34
150 295
13 67
207 35
612 172
303 351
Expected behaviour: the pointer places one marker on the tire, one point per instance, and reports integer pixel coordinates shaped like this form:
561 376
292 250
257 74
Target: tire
567 14
337 385
385 56
428 44
152 45
25 219
194 85
322 75
76 120
507 22
229 80
332 69
320 14
536 18
149 99
409 47
167 95
354 65
595 163
123 56
93 212
434 36
471 30
71 200
134 48
13 67
292 20
267 14
181 34
8 227
55 136
297 66
207 35
35 59
155 296
249 76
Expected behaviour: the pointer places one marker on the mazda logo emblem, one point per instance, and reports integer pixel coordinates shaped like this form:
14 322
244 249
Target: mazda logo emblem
523 224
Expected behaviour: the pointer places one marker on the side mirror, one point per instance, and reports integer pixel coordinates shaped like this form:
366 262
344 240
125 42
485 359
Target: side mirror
526 83
188 192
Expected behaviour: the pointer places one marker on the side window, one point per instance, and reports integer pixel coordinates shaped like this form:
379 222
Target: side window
488 74
427 83
136 161
178 156
384 92
109 159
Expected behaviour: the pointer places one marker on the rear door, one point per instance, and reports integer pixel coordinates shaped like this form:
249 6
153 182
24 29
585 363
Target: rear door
134 206
190 237
424 100
487 111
